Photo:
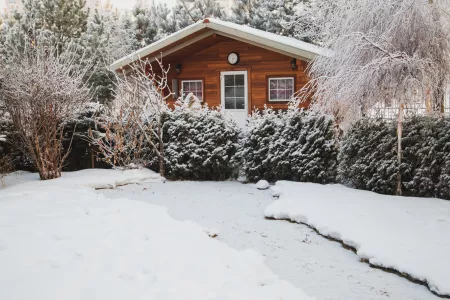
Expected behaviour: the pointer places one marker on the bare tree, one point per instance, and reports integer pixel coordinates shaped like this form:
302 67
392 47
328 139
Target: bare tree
395 51
135 120
40 91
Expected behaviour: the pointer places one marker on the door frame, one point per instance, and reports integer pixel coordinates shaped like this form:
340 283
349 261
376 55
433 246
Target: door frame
246 89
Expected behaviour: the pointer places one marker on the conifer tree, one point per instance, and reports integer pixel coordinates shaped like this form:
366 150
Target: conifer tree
276 16
66 19
145 30
186 14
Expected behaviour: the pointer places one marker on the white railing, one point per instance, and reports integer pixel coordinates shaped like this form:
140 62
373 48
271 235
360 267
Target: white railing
390 110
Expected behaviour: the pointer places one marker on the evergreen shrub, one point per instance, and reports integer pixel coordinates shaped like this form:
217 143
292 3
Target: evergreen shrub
290 145
368 157
200 143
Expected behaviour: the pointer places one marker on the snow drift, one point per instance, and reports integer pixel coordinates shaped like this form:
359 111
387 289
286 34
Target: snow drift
410 235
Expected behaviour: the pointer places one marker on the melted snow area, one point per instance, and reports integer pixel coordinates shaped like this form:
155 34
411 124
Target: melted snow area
320 267
410 235
61 239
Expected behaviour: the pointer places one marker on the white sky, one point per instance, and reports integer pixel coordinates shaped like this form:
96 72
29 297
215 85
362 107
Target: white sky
122 4
128 4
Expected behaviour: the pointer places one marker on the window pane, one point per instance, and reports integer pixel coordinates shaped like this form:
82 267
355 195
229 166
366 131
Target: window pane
192 86
229 92
273 95
281 88
273 84
240 80
230 103
240 103
289 94
229 80
240 91
290 84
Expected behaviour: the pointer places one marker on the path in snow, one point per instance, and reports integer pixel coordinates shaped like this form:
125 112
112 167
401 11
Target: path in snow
320 267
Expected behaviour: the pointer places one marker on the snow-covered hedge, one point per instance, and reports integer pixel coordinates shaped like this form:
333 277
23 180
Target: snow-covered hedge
368 157
200 144
291 145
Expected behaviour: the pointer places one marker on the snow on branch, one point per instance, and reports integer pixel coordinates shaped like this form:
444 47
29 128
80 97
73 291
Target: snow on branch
384 51
134 121
40 91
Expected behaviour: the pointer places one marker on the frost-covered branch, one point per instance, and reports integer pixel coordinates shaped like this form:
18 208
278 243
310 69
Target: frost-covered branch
40 91
134 121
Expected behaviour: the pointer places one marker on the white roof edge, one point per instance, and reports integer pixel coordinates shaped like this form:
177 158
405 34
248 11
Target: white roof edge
277 43
172 38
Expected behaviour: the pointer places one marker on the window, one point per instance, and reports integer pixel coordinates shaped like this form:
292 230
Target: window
234 85
281 89
192 86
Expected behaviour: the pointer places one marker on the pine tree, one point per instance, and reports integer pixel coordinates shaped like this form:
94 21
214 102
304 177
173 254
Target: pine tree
242 11
276 16
145 29
163 21
186 14
95 44
66 19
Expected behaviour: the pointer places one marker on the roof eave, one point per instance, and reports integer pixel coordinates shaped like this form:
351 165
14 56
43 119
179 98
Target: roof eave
233 33
152 48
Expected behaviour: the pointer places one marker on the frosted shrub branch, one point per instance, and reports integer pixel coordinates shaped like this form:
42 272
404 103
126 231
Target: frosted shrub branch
41 90
134 121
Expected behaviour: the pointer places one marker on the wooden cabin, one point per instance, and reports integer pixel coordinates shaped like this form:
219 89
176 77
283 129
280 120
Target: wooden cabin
229 65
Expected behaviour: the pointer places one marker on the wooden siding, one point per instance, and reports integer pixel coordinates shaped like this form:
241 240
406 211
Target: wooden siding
205 60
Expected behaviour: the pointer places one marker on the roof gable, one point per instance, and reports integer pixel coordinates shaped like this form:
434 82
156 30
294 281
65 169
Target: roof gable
202 29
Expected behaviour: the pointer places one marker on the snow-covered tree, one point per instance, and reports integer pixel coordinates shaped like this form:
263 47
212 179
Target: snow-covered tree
145 29
188 13
242 12
134 122
95 44
40 91
394 51
308 17
66 19
276 16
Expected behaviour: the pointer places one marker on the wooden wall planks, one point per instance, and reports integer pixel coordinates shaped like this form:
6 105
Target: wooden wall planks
207 58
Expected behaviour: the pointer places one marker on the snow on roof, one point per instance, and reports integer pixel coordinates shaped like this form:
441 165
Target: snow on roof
271 41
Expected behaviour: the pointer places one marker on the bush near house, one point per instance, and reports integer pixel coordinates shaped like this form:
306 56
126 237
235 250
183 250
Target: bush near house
291 145
16 158
200 144
368 157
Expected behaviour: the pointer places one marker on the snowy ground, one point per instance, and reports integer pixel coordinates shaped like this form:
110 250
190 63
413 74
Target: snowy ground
318 266
410 235
61 239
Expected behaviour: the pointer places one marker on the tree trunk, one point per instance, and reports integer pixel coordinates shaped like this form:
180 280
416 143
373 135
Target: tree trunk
162 169
399 148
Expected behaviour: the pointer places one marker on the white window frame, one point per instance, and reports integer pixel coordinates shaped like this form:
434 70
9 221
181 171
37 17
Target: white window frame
189 81
279 78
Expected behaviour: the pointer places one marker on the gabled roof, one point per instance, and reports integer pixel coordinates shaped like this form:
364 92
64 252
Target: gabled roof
281 44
